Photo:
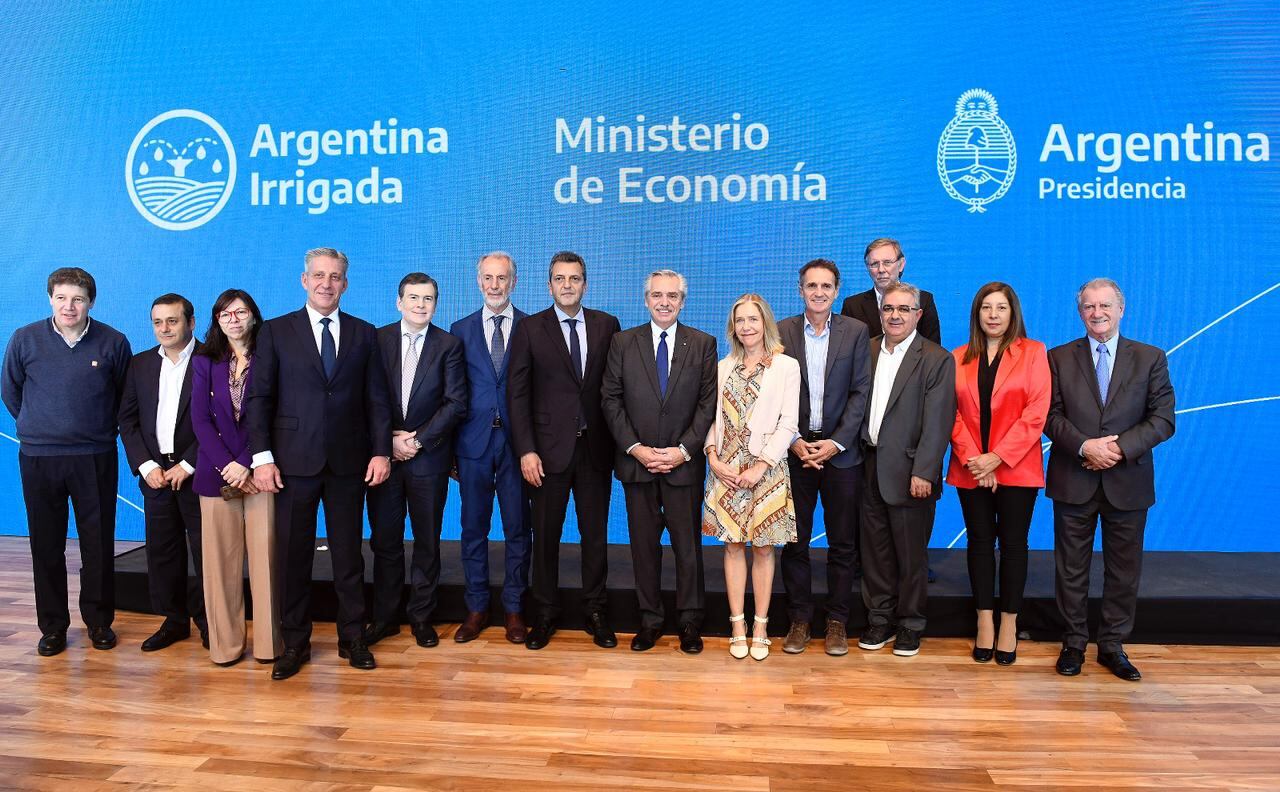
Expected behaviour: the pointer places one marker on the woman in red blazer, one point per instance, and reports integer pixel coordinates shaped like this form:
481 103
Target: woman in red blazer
1002 398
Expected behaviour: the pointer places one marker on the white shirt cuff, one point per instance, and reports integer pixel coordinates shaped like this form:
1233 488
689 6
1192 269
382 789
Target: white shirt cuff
145 468
837 445
190 470
631 447
262 458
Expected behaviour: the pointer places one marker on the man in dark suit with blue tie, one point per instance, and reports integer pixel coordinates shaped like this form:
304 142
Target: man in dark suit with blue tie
826 458
564 446
319 420
487 464
427 380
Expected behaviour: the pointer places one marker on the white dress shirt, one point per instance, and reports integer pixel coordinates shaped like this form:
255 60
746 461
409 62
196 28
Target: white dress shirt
656 332
581 328
317 328
886 372
171 376
486 323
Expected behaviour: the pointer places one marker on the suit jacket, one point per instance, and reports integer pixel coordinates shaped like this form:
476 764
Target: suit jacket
307 421
138 405
1019 404
863 307
222 438
773 418
846 382
488 390
437 398
637 412
1139 409
547 398
917 421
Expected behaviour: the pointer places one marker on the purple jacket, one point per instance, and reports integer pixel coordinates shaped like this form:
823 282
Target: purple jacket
222 439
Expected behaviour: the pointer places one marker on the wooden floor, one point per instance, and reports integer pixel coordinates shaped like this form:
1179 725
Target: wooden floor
487 715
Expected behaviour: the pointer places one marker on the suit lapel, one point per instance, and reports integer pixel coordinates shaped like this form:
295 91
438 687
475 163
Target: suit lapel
838 332
910 362
871 308
678 357
551 326
301 324
1084 358
1121 371
1007 364
184 392
389 348
426 356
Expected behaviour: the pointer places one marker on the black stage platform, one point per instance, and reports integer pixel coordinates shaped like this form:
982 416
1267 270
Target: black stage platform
1195 598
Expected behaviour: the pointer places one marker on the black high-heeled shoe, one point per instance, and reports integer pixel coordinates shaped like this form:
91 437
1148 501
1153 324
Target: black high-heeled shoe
1007 658
981 655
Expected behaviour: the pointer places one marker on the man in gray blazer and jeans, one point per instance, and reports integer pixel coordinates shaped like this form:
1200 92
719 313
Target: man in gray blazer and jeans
910 414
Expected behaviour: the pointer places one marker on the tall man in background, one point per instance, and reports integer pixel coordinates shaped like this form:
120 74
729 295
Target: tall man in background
487 465
160 444
563 442
62 381
319 420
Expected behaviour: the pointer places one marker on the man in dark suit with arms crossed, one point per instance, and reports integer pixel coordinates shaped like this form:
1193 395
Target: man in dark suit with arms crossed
1111 404
559 432
660 400
320 430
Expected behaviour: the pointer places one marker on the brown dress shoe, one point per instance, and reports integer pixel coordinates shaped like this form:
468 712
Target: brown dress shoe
797 638
516 631
837 638
471 628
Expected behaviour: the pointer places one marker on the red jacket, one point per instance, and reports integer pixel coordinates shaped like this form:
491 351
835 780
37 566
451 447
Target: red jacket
1019 404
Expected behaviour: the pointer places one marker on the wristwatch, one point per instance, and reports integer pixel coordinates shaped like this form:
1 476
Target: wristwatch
417 443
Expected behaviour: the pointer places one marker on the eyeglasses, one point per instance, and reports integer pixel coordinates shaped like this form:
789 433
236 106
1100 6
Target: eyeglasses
886 264
227 316
890 310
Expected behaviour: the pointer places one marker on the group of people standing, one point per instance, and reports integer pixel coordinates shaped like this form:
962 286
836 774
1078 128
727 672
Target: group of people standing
238 440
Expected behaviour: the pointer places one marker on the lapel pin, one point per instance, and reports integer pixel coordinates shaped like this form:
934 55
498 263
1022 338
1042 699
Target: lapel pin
93 363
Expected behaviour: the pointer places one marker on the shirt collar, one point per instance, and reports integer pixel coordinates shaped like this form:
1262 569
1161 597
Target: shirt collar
53 325
656 331
405 329
182 356
487 314
316 316
812 332
1111 343
562 316
904 346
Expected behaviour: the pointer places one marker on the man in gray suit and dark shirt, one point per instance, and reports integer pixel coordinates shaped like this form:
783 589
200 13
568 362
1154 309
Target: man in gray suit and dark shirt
1111 403
659 399
826 456
910 413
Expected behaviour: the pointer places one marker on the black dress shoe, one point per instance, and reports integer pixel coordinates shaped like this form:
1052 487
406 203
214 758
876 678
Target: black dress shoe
1069 661
981 655
164 637
540 635
1007 658
645 639
1119 664
357 654
103 638
290 663
51 644
378 630
690 639
599 631
425 634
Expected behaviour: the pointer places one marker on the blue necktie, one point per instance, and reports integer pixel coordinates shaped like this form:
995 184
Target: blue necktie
662 363
497 344
328 349
1103 372
575 348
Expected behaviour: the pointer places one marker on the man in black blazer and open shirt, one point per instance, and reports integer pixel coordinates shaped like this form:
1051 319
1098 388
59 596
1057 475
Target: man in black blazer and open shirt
1111 404
155 426
427 380
319 422
660 400
554 371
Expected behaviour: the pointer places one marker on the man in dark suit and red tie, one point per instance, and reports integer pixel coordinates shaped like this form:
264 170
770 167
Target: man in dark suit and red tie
319 420
1111 404
559 433
160 444
427 380
660 401
487 465
826 457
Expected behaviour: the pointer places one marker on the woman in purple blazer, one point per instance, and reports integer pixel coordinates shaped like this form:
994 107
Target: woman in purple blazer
235 516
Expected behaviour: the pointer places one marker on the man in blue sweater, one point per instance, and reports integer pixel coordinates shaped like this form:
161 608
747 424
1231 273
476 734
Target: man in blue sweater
62 382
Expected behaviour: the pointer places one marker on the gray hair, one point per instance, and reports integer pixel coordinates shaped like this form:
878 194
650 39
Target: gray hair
325 252
667 273
499 254
1099 283
905 288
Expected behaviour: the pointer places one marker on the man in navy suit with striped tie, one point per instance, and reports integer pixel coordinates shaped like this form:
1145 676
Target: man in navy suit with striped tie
486 463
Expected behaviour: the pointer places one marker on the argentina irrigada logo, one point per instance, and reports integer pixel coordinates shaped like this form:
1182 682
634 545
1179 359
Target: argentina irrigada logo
180 170
976 154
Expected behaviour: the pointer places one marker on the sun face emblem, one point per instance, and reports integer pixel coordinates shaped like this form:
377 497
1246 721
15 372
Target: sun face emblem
976 153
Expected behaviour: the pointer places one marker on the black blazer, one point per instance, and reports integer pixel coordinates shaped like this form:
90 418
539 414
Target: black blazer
864 308
1139 409
917 423
637 413
847 381
137 415
306 421
437 398
547 398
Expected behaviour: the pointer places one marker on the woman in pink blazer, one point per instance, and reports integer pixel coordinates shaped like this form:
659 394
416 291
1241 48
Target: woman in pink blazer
1002 399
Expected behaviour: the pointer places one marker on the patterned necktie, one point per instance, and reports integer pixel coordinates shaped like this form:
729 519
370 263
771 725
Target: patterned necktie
575 347
1103 372
663 364
497 344
407 371
328 348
